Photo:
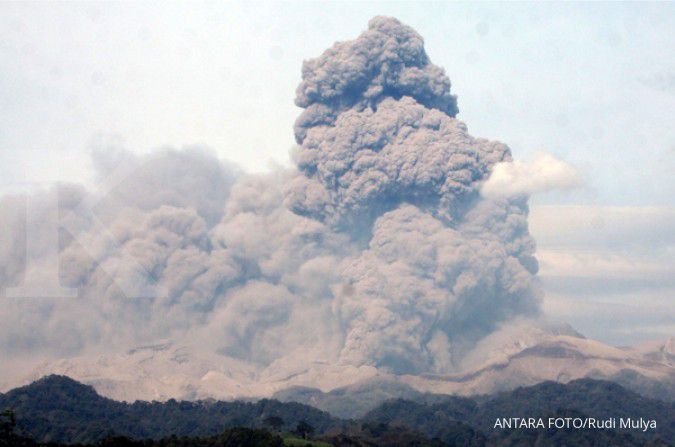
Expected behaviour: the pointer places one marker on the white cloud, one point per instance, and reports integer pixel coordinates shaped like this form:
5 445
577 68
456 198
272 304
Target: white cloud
545 173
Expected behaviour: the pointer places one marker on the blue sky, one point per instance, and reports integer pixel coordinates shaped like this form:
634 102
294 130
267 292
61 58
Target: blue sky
592 84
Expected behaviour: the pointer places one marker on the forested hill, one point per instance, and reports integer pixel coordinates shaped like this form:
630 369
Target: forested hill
59 409
596 398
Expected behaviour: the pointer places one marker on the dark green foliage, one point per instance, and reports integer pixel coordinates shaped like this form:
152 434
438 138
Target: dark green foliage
60 409
120 441
445 421
236 437
384 435
8 435
7 423
274 422
600 399
566 437
303 429
461 421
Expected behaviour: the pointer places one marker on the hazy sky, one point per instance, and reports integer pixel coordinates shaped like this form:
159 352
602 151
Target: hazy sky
592 84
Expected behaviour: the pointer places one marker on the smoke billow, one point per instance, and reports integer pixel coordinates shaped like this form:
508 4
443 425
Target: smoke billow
378 250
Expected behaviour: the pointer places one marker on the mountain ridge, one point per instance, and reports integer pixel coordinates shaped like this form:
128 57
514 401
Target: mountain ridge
524 357
60 409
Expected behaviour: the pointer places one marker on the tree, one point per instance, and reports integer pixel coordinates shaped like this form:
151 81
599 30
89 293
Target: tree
7 424
8 438
276 422
304 429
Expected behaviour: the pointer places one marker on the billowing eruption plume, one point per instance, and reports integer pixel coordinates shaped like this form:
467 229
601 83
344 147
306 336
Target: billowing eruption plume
381 154
377 250
386 61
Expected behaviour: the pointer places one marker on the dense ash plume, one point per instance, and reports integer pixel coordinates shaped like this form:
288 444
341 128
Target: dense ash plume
370 161
386 61
377 250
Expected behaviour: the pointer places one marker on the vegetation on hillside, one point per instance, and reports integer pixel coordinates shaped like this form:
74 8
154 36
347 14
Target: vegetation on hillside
56 411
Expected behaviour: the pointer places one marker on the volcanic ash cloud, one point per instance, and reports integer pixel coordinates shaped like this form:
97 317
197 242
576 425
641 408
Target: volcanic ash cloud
378 250
383 159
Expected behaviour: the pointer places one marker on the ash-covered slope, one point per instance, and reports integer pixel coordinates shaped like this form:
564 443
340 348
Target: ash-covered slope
167 371
560 358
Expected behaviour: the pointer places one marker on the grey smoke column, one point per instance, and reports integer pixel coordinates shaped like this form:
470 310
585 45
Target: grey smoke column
378 250
378 130
382 158
388 60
